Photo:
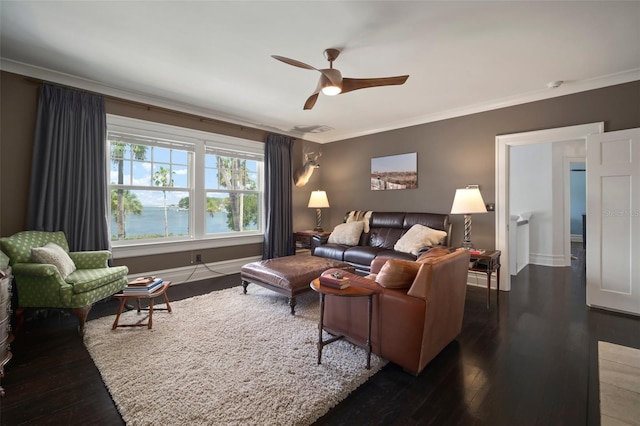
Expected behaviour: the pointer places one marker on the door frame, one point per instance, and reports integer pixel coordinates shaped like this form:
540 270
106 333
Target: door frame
503 146
568 161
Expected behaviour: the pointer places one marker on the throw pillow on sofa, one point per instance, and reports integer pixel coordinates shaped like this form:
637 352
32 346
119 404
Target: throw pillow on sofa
397 273
54 255
364 216
417 237
347 233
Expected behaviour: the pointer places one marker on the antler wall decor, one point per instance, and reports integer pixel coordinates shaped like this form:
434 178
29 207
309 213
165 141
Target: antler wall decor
301 175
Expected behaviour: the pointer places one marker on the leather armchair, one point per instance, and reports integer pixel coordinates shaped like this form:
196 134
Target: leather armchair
410 326
41 285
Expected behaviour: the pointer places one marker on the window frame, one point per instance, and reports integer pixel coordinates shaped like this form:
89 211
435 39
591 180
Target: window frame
200 140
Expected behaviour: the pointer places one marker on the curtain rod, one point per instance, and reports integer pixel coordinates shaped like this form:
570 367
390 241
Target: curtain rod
149 107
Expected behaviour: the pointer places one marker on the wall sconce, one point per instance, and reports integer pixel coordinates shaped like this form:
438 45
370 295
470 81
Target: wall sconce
467 201
318 200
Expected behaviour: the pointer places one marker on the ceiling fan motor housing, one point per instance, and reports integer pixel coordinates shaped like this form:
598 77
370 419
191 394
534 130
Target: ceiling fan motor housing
331 54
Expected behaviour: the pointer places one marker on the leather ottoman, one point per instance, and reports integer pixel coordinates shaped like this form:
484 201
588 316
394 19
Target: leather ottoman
289 275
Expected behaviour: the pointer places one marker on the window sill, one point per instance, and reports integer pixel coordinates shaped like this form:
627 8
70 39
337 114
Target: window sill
148 249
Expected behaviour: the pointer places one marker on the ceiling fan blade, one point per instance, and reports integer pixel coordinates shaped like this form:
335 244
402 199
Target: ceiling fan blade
311 101
293 62
351 84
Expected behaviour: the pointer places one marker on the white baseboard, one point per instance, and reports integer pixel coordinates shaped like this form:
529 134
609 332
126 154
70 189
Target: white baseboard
198 272
576 238
479 279
546 259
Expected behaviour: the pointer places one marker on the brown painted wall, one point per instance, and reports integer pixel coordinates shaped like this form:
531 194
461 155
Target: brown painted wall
451 154
18 105
460 151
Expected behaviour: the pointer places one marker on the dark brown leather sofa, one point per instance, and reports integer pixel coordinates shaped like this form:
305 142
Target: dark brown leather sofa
410 326
385 229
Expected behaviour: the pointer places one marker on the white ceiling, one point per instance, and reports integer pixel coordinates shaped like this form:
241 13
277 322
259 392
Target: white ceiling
213 58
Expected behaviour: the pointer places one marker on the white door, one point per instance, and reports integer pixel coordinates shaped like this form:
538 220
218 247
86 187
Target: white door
613 221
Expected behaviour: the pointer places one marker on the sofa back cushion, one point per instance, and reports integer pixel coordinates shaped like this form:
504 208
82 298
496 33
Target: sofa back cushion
432 220
385 229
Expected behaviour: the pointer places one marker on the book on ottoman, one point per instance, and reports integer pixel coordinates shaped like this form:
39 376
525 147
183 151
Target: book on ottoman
334 280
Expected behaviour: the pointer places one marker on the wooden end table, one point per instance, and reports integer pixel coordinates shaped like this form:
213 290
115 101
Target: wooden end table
490 264
162 291
350 291
303 239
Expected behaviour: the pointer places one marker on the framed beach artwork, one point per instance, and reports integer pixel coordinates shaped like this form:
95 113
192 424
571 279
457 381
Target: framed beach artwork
394 172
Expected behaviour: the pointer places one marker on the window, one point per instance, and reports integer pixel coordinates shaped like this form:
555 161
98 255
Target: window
171 184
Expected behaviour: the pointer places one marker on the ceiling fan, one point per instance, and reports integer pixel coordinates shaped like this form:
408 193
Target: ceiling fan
331 81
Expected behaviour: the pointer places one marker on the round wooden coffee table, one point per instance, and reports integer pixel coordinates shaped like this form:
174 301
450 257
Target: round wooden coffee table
351 291
162 291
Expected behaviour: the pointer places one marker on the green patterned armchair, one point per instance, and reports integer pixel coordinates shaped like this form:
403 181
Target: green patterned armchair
47 277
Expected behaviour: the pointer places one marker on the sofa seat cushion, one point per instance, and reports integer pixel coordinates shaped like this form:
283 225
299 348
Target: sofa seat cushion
84 280
362 255
331 251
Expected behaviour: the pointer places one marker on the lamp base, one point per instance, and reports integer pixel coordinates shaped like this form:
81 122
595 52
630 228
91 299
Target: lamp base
466 243
318 221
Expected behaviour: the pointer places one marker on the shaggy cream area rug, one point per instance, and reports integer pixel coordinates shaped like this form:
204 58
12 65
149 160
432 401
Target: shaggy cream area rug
225 358
619 371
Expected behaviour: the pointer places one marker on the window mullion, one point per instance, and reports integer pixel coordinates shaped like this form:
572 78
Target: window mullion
198 193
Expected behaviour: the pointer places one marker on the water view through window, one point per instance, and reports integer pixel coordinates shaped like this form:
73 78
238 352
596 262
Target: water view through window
154 181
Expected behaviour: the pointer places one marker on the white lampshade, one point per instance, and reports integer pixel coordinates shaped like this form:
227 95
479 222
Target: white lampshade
318 200
467 201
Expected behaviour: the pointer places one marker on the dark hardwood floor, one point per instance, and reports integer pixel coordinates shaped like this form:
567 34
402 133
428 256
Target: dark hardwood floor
531 360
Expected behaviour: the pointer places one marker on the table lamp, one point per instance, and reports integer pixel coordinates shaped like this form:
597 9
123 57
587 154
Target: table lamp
467 201
318 200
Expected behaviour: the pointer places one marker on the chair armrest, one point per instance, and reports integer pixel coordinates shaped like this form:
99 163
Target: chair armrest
317 240
451 269
40 285
40 270
377 264
91 259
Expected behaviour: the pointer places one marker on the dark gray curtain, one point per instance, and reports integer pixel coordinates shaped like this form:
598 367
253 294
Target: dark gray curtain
68 172
278 235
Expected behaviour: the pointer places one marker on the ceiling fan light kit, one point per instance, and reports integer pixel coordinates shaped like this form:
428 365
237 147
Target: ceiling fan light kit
328 87
332 83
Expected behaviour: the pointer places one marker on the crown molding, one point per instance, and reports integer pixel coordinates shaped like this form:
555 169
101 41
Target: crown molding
129 95
567 88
